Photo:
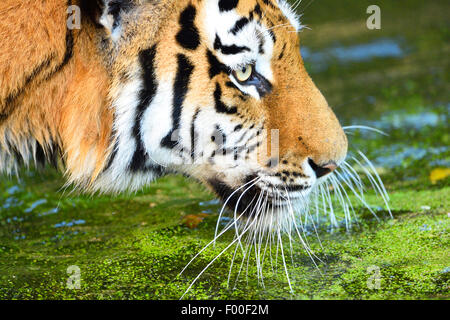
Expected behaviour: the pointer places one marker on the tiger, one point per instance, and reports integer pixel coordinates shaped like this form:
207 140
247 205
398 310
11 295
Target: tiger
143 89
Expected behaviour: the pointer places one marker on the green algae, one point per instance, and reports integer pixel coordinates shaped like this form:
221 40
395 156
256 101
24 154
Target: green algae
134 255
135 246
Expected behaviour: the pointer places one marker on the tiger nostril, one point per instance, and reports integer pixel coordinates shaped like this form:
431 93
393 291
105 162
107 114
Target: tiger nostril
322 170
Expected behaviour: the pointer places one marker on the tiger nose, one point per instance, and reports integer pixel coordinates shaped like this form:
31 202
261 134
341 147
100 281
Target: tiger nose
322 170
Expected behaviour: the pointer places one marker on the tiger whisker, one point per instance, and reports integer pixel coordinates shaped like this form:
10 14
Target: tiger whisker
353 176
359 196
266 30
212 261
239 236
380 182
226 202
344 202
237 206
239 244
235 221
259 234
284 260
303 239
376 184
365 128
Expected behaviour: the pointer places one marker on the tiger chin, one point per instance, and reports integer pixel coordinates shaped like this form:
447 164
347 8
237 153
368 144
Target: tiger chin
215 90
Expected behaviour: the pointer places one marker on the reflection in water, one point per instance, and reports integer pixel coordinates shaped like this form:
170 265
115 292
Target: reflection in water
399 125
49 212
401 120
395 155
13 190
11 202
380 48
210 203
35 204
69 224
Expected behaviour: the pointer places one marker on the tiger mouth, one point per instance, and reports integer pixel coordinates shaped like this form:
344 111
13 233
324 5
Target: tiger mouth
250 197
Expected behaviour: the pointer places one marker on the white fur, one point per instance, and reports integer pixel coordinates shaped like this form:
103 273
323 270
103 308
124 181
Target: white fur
157 123
293 18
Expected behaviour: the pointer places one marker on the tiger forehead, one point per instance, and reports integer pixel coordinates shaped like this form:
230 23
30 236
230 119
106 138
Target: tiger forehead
265 11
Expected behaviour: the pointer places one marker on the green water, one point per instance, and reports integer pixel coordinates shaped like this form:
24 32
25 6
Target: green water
133 246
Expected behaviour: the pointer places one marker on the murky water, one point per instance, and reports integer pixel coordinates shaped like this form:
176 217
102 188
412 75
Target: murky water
377 49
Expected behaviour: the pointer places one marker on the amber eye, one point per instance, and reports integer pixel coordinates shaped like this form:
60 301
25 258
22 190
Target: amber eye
244 74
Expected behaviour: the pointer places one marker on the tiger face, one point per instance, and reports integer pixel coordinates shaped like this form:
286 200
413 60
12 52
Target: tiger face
217 92
212 89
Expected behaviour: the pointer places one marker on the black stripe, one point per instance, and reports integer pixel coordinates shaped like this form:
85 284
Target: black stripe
148 92
116 7
231 85
181 86
227 5
215 66
273 36
69 50
8 103
233 49
220 106
268 3
193 134
114 151
41 67
239 25
262 42
237 150
188 37
257 11
282 52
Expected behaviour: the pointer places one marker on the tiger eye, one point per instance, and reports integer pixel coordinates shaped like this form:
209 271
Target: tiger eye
244 74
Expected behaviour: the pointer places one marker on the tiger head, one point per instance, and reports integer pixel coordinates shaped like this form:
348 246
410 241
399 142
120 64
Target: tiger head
218 92
212 89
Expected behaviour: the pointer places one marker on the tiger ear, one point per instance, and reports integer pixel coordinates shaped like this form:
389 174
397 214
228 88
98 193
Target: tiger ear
112 12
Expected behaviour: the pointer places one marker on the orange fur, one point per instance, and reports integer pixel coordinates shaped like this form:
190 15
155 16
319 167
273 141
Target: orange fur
65 103
60 95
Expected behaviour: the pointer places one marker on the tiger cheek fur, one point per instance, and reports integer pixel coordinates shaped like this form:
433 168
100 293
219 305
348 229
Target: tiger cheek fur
165 90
